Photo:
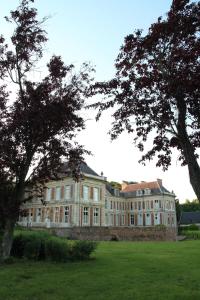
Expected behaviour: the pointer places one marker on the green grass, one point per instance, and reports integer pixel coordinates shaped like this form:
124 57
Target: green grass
118 270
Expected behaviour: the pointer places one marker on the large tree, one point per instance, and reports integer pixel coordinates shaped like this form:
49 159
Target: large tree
38 120
156 90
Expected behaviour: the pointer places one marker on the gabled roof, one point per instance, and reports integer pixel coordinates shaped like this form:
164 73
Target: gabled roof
192 217
141 186
155 187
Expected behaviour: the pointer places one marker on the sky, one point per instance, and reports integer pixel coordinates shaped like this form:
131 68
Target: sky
93 31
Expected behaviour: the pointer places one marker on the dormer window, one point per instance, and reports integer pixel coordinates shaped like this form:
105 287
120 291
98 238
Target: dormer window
147 191
139 192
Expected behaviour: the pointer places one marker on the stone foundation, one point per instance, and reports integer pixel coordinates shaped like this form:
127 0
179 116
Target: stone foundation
117 233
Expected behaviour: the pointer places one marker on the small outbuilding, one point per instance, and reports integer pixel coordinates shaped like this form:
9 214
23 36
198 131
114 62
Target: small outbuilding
191 217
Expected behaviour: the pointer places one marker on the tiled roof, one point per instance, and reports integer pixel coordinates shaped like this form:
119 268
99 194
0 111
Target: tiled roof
192 217
84 168
141 186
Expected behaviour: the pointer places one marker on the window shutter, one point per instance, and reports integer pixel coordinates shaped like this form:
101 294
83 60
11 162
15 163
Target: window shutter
100 194
151 204
91 216
51 215
81 190
62 192
136 219
152 219
34 215
91 193
42 214
53 194
45 194
143 219
61 214
72 191
161 218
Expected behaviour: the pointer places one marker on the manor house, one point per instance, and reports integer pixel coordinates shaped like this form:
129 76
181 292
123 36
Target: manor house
94 202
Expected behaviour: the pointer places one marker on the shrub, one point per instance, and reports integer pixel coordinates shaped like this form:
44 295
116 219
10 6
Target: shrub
43 246
29 244
82 249
18 246
191 227
57 250
192 235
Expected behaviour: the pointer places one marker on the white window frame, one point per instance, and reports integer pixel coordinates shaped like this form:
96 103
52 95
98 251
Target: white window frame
58 193
66 214
132 219
48 195
96 216
148 219
85 193
96 194
123 219
86 215
67 192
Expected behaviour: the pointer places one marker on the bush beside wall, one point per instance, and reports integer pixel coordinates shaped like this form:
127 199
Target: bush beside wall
43 246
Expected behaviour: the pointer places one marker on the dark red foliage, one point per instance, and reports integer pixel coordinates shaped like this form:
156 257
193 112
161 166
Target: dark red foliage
157 88
38 128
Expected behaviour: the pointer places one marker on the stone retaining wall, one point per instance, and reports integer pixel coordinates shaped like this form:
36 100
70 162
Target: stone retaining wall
117 233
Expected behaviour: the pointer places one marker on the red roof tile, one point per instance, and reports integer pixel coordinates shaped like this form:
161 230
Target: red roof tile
141 186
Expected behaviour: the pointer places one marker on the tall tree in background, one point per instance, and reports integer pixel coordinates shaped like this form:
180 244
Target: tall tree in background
156 89
38 126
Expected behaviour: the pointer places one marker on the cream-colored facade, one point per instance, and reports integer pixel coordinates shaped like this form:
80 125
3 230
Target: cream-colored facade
92 202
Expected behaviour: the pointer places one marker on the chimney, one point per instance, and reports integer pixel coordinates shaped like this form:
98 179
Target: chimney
159 182
124 184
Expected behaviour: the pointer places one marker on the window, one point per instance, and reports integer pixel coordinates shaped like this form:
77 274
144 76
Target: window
111 219
96 216
148 219
135 205
156 204
38 214
66 214
123 219
147 191
110 204
139 192
67 192
58 190
147 205
106 204
57 215
139 205
96 194
85 215
85 192
132 219
117 220
48 195
140 219
143 205
131 205
106 219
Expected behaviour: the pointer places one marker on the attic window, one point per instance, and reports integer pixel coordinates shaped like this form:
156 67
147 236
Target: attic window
139 192
147 191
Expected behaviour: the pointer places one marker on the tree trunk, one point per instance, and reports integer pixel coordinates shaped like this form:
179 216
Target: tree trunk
193 167
186 145
7 239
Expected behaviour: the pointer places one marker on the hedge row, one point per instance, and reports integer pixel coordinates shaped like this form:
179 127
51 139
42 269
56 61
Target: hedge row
43 246
192 235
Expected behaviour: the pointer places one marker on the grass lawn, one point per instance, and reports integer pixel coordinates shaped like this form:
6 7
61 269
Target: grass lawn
119 270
